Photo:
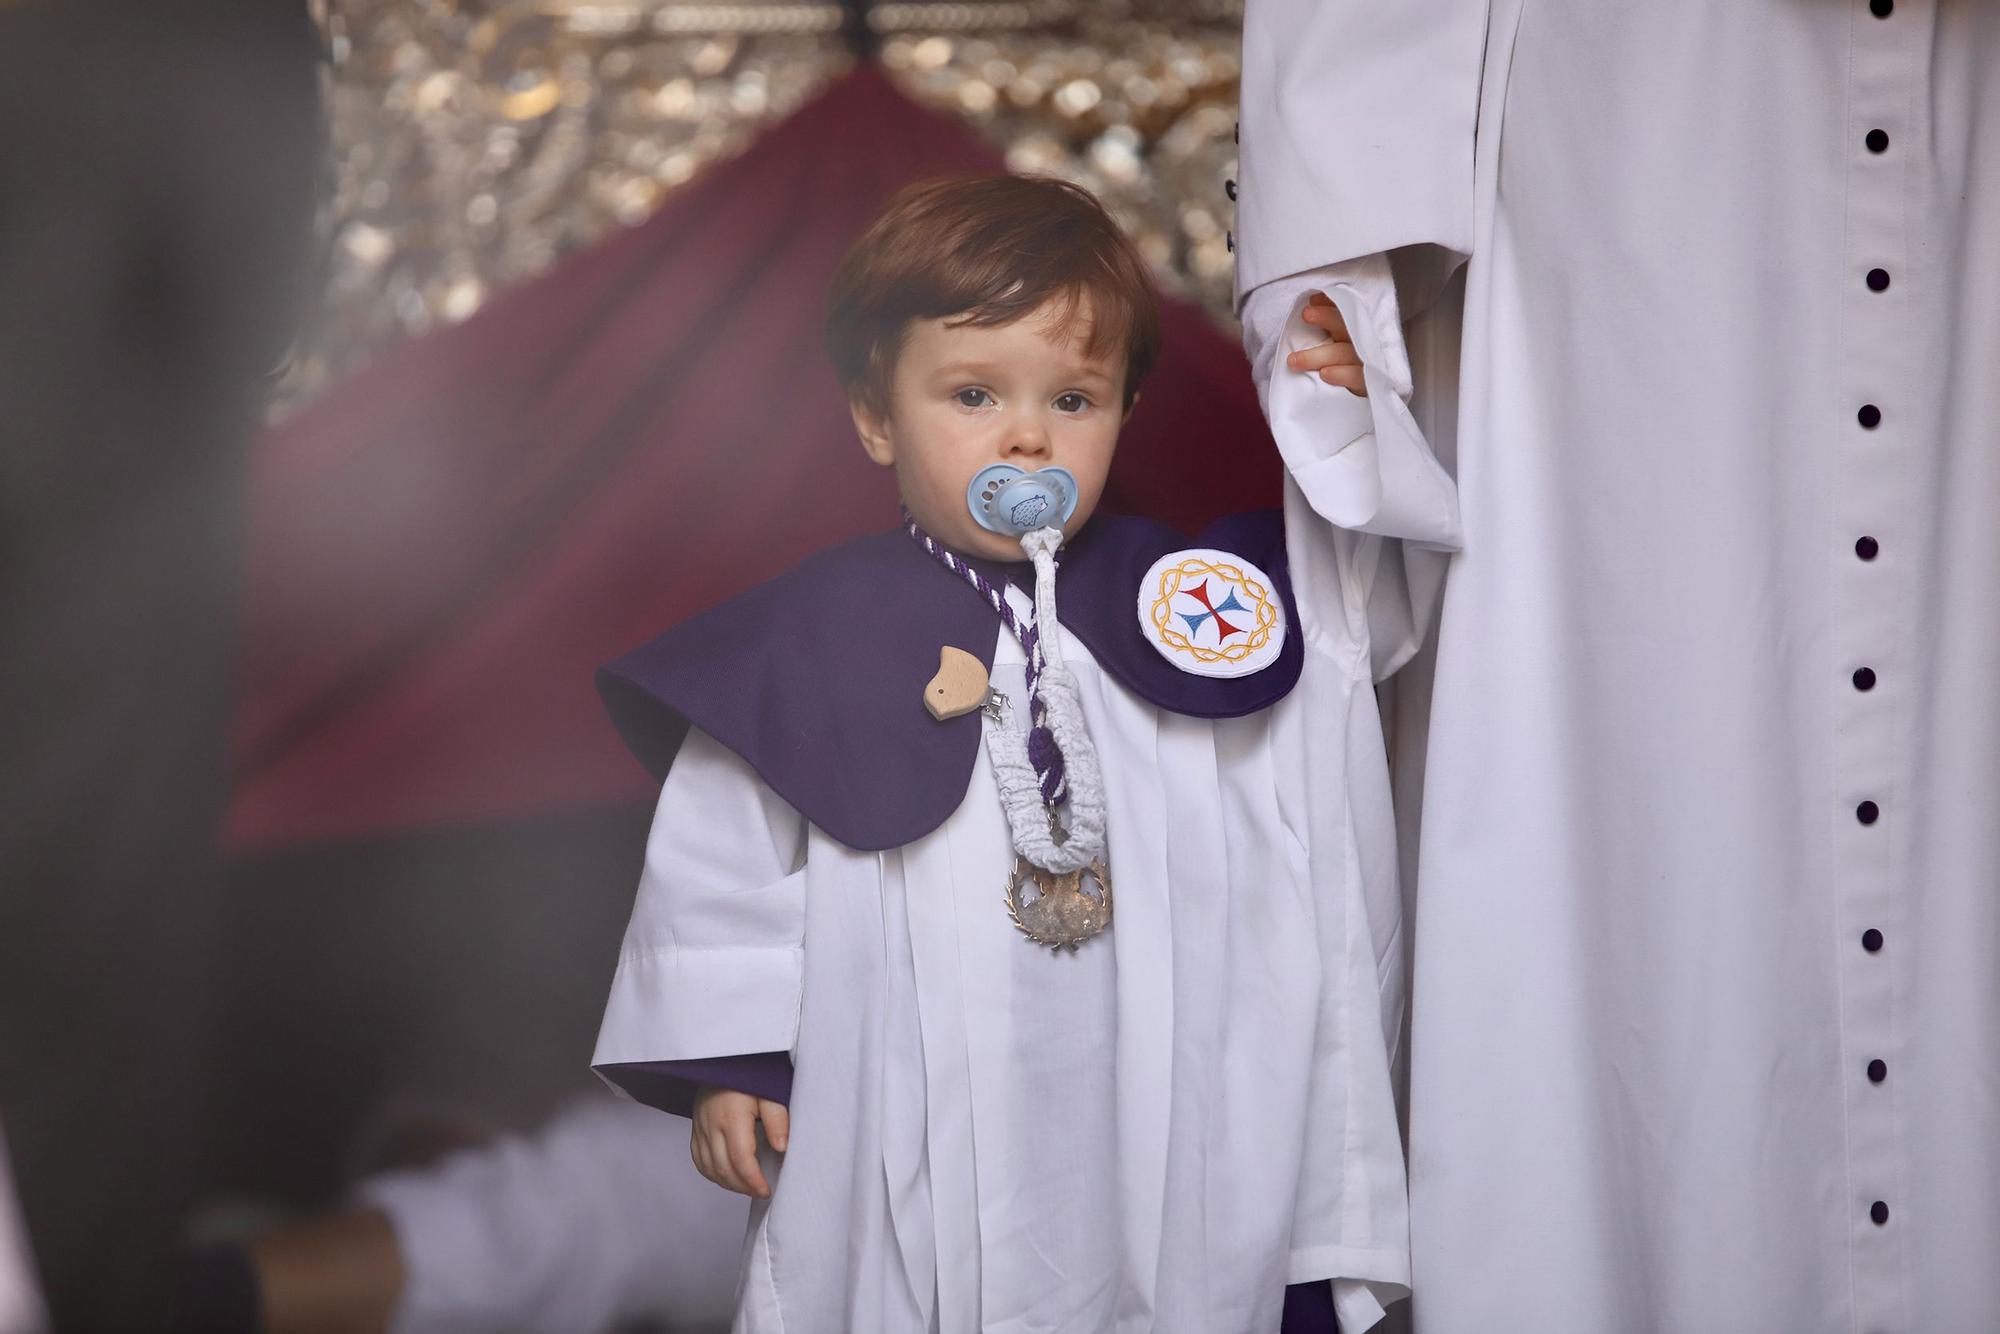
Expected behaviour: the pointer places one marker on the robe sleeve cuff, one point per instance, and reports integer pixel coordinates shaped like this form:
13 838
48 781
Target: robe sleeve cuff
1361 463
674 1004
1435 208
670 1086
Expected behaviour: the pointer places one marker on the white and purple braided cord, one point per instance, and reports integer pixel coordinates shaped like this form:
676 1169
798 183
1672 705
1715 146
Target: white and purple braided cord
1043 752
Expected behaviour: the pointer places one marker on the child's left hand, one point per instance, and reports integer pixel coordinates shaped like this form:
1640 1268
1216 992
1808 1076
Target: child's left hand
1335 359
724 1143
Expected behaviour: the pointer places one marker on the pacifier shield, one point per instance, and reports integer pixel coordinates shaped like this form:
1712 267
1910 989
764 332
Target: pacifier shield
1006 500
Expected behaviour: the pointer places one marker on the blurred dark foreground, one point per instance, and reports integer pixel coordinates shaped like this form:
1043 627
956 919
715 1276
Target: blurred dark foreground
156 180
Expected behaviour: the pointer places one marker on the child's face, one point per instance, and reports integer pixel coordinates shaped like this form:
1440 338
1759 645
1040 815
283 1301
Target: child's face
965 397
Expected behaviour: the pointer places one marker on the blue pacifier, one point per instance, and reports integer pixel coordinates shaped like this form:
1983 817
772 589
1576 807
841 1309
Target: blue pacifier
1005 500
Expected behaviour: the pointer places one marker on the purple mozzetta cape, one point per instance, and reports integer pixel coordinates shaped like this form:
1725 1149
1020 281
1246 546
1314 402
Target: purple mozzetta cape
816 678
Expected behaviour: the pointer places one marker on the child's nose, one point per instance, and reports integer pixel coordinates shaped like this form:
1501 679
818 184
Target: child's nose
1028 438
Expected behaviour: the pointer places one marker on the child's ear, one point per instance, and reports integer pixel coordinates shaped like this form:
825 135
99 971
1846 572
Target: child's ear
873 428
1128 410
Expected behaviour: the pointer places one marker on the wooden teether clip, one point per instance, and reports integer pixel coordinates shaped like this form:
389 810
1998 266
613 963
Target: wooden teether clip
959 686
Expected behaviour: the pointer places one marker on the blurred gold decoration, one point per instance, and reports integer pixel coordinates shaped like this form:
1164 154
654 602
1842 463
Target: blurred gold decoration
475 141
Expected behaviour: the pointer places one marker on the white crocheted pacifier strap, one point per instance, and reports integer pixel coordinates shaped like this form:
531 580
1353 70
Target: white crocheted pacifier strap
1046 769
1049 840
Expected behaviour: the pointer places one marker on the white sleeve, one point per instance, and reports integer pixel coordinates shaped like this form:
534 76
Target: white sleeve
713 959
1362 462
1357 138
597 1220
1355 131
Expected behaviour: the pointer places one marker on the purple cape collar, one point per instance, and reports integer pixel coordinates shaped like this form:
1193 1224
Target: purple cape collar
816 678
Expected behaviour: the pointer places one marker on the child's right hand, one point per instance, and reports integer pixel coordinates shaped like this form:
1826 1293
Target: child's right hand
724 1143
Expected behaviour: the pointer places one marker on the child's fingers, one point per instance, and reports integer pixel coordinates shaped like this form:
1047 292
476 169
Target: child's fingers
722 1158
777 1119
1336 363
1349 378
710 1159
724 1142
740 1147
1322 313
1321 355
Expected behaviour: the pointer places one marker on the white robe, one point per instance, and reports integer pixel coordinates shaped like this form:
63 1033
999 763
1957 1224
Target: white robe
1685 1026
1158 1132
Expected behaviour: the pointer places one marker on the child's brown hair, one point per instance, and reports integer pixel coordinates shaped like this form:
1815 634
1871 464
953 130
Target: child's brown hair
989 249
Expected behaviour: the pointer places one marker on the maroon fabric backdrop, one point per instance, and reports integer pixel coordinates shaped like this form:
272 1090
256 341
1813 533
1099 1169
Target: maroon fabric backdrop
443 550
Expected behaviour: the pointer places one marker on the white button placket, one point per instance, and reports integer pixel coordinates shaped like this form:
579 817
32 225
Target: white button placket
1874 551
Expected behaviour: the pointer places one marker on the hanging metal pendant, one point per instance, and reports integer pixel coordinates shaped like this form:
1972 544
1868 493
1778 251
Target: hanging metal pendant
1056 909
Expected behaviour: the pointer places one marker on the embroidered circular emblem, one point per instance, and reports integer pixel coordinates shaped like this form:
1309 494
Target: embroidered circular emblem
1211 613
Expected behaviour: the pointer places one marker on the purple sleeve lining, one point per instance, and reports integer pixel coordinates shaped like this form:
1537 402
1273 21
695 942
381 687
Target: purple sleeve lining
671 1085
1309 1309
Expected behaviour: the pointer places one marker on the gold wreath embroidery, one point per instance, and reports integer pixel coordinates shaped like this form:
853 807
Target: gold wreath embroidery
1171 580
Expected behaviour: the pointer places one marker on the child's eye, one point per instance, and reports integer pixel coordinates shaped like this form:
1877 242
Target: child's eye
973 398
1072 402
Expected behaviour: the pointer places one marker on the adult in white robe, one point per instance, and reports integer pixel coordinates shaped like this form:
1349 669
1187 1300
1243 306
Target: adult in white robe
1157 1132
1706 1025
595 1222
